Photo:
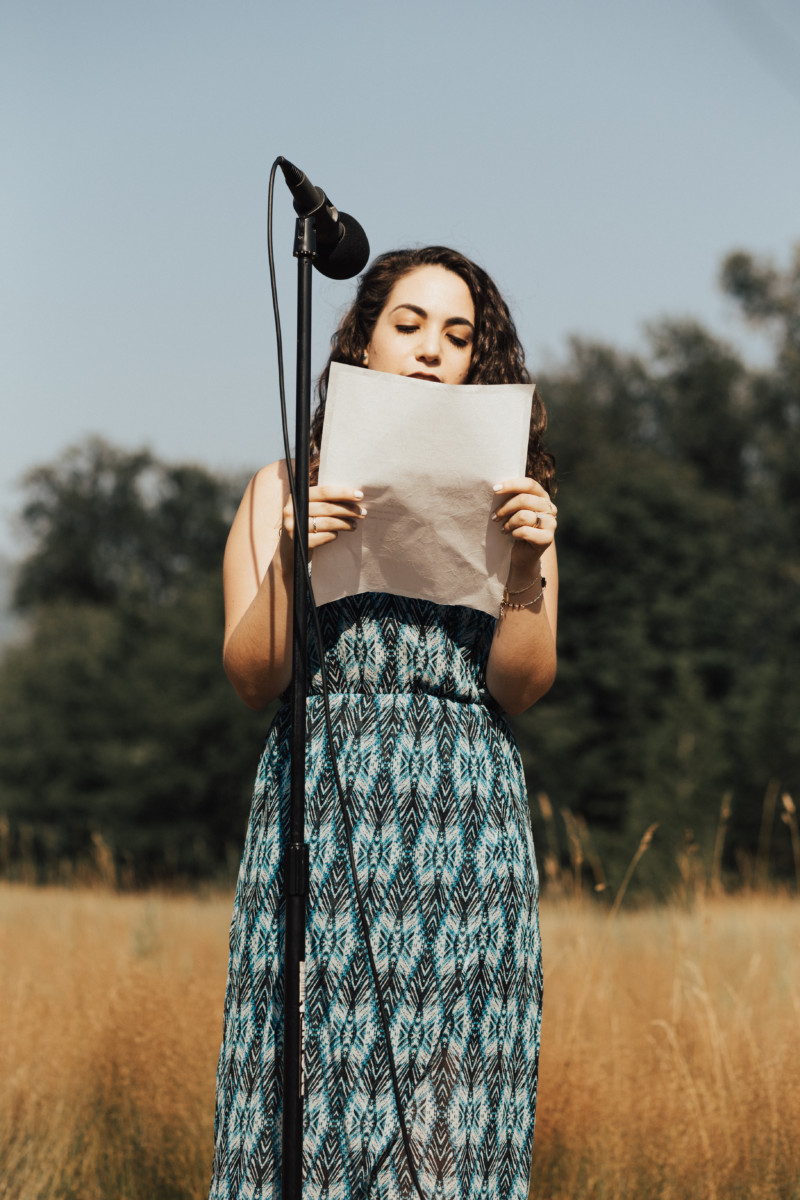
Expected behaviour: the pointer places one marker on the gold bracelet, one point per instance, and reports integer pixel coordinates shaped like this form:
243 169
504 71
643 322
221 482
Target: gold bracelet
507 591
507 603
519 591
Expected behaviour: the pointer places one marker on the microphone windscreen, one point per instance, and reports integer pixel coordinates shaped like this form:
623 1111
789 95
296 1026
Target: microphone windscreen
350 254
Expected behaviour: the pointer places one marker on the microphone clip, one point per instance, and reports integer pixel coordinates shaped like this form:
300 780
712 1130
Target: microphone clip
305 238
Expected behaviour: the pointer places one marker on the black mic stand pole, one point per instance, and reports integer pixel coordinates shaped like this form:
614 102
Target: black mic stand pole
295 861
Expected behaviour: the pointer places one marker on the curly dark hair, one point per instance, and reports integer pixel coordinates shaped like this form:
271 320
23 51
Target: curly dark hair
497 356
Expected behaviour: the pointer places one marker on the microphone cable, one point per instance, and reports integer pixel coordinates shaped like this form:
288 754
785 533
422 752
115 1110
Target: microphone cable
326 702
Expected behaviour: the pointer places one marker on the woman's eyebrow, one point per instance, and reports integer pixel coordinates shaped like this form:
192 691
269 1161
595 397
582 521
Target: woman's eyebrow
415 308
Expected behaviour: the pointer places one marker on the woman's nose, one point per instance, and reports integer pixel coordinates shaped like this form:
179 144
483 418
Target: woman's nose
428 348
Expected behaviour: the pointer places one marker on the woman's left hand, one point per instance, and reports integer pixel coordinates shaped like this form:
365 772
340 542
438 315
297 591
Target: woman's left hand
522 660
527 513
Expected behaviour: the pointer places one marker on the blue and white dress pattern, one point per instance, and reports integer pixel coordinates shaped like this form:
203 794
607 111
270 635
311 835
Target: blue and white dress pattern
445 859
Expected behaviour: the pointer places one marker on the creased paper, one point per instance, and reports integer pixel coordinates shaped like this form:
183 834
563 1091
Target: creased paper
426 455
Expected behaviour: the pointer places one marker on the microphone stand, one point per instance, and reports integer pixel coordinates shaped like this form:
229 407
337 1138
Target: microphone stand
295 860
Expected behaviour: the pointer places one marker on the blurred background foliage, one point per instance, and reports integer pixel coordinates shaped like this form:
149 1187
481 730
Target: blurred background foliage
115 715
678 693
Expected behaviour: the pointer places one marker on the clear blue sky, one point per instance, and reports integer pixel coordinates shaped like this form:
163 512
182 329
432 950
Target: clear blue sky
599 158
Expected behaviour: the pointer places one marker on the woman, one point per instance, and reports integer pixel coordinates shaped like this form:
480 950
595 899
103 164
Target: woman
434 784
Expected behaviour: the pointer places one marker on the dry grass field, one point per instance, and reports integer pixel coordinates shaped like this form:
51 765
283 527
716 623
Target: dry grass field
670 1057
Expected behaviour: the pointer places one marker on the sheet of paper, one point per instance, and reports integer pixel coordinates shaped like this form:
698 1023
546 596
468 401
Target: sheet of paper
426 455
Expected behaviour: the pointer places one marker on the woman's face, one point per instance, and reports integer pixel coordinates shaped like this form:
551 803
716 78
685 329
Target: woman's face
426 328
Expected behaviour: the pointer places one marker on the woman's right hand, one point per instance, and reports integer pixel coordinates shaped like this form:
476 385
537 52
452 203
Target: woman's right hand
258 576
331 510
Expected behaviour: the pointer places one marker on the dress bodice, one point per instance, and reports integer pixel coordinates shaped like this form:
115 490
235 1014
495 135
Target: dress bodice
377 643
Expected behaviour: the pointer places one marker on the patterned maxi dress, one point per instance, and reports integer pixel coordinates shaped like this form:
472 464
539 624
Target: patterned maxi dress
445 860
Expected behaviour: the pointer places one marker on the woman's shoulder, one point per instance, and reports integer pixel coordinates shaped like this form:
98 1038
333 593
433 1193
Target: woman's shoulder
258 520
273 477
266 492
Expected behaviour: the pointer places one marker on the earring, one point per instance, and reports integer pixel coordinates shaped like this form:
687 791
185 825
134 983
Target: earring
364 358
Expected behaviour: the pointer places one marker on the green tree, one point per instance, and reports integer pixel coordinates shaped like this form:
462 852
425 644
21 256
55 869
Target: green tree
108 524
703 405
115 714
679 645
770 300
769 704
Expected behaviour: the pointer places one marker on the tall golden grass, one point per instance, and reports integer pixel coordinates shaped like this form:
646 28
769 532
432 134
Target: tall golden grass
671 1052
670 1062
111 1009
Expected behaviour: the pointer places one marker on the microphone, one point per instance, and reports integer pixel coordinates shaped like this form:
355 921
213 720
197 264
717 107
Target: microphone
342 246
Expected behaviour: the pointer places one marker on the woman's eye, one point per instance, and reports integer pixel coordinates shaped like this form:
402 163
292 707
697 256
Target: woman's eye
459 342
406 328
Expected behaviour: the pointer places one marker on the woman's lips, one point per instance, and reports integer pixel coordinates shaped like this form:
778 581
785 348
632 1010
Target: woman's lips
422 375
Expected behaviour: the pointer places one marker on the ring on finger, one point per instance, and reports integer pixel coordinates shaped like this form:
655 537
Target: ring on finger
313 524
538 521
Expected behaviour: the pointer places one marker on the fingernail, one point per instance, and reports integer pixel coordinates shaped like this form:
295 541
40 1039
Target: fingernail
359 495
494 516
363 512
498 487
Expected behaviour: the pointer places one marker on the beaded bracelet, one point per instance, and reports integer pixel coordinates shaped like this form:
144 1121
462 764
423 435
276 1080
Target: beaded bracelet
508 604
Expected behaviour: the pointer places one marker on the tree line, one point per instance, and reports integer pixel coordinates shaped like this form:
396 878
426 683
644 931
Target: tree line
677 699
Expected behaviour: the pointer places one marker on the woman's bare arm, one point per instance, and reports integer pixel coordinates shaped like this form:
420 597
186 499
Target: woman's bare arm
258 592
522 659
